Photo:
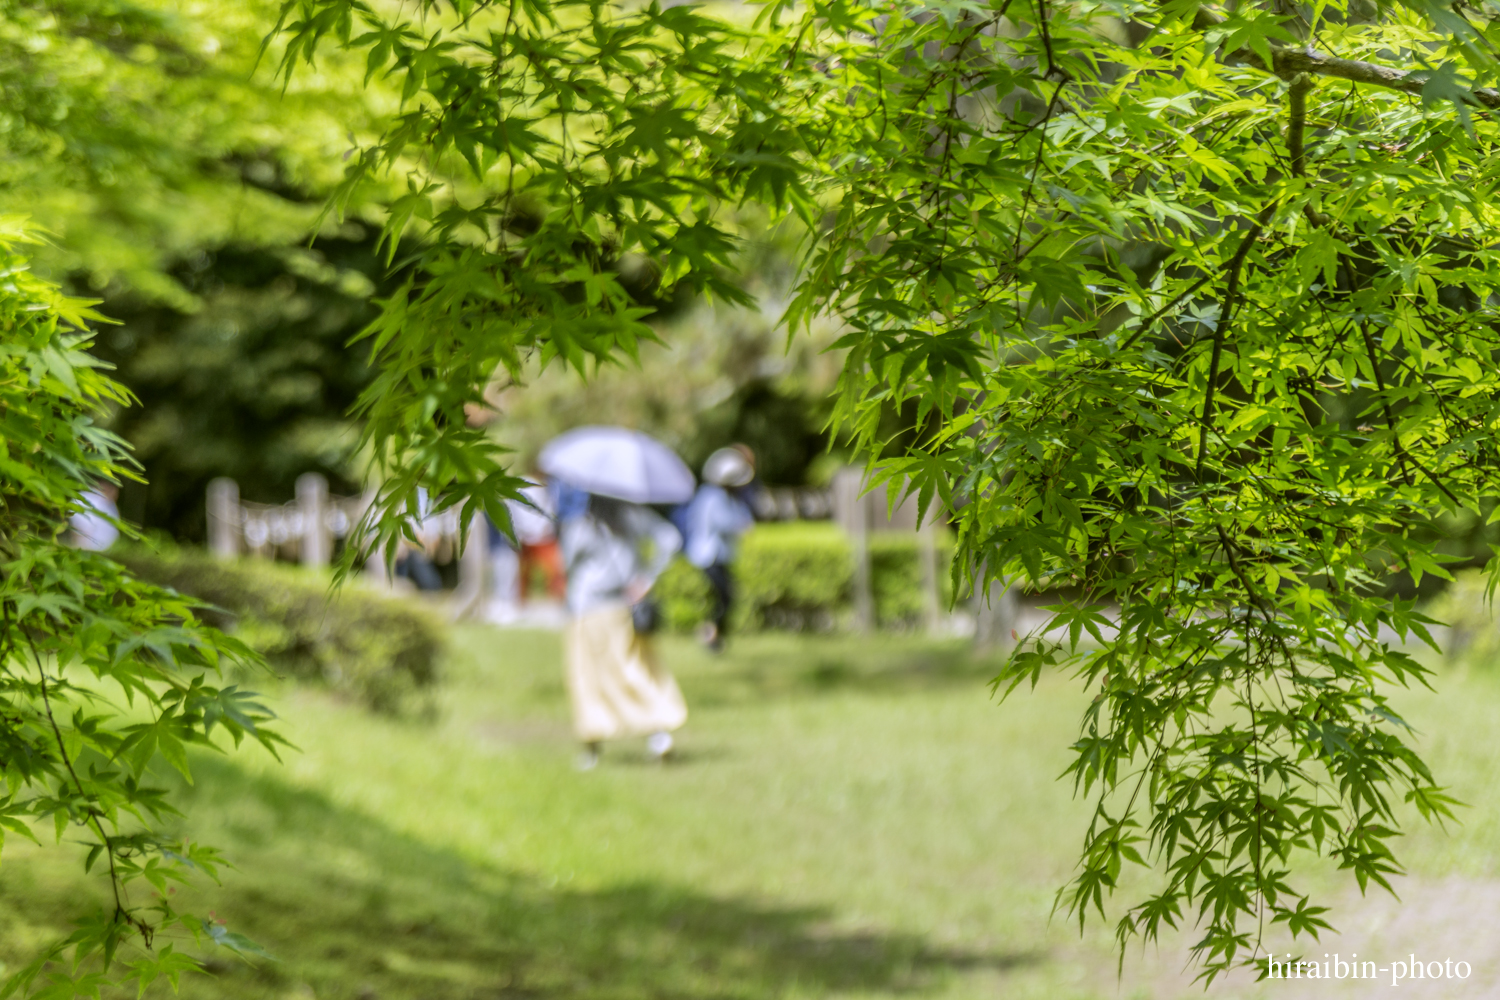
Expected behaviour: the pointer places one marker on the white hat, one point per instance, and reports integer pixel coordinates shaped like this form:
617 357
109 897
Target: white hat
728 467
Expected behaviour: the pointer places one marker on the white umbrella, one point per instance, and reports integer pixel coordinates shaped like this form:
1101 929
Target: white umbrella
619 463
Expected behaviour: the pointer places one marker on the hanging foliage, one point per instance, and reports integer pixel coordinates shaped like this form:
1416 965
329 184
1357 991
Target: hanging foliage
1194 309
105 681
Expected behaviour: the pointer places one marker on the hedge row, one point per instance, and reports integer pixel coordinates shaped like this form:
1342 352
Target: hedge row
379 649
800 575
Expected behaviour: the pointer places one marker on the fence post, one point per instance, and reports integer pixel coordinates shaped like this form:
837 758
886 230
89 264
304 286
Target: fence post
374 563
312 503
996 614
862 514
927 553
852 508
224 517
864 601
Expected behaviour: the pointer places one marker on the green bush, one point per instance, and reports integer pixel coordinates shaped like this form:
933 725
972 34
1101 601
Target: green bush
684 596
377 648
795 575
800 575
896 573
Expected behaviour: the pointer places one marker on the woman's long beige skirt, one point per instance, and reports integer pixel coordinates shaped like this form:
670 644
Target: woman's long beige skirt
617 686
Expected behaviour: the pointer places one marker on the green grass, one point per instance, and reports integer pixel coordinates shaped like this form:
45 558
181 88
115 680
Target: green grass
848 818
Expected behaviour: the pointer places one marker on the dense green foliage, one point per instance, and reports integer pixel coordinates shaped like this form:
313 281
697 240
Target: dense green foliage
104 680
1192 311
135 137
1194 359
138 136
382 650
585 119
800 576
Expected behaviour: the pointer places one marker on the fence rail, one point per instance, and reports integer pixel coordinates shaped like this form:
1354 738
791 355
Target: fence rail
308 527
305 528
793 503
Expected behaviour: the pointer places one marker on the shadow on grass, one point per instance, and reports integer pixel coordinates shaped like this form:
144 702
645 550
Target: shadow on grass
756 670
353 909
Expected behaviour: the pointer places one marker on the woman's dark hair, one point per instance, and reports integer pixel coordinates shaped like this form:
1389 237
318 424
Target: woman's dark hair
612 513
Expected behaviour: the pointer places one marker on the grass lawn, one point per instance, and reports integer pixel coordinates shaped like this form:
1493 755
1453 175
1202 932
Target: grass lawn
848 818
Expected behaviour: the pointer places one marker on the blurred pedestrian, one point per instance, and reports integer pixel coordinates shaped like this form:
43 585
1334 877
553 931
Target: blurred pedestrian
536 530
94 528
613 551
414 562
713 522
532 521
505 576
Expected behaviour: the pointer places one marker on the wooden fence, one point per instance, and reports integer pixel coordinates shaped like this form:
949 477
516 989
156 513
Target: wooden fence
308 528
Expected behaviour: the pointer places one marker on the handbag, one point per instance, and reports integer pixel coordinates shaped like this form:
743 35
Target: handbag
645 616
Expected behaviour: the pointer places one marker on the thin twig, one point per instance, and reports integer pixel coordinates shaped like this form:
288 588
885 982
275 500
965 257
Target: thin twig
122 912
1226 316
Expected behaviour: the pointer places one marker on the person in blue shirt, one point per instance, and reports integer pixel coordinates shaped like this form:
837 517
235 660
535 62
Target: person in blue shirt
713 522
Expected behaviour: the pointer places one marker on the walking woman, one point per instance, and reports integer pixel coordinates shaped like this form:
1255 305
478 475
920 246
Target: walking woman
614 550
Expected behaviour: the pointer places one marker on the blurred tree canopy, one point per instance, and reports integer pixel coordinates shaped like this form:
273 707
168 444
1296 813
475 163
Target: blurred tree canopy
181 187
718 377
138 134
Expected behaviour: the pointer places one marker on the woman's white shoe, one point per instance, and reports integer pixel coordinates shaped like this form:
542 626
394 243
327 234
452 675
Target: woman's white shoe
659 745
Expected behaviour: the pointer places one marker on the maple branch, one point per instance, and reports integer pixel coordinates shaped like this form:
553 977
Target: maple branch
1288 61
1298 124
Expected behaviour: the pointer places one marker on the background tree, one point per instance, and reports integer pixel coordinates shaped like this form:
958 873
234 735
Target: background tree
719 376
181 188
254 382
137 135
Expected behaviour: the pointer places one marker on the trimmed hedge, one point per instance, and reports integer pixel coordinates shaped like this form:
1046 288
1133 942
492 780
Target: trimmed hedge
379 649
896 577
800 575
797 575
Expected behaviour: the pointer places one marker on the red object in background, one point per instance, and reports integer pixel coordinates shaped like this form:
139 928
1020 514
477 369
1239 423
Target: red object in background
546 558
